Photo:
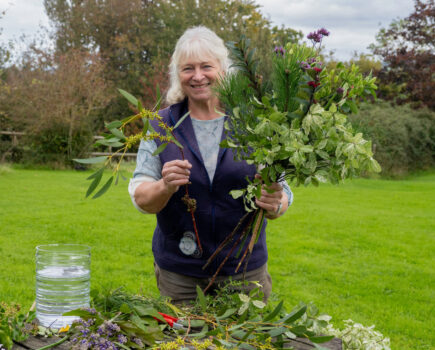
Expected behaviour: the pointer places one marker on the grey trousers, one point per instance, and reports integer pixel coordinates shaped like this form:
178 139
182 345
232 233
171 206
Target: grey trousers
181 288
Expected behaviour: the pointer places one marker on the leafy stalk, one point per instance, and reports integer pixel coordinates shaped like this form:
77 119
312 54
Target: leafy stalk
116 138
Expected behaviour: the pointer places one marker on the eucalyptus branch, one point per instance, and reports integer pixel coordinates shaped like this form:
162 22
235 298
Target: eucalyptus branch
116 138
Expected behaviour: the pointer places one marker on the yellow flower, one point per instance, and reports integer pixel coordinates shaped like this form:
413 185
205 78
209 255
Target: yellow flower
64 329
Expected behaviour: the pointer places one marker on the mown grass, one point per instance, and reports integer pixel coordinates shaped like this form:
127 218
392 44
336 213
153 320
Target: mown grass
363 250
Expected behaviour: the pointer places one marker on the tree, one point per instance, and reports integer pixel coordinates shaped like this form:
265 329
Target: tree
407 49
136 38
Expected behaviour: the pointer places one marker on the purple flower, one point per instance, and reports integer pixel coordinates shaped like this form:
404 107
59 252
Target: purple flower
305 65
340 90
122 338
279 50
323 32
110 346
138 341
315 36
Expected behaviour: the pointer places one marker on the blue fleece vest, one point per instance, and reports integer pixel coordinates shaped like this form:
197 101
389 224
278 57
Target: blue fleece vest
217 213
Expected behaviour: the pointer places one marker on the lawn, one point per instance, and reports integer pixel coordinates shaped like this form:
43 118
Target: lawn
363 250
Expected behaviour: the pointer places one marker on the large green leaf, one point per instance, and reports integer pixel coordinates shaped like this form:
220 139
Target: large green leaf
275 312
181 120
148 311
294 315
160 149
104 188
158 98
226 314
118 133
277 331
201 298
130 98
94 160
321 339
114 124
97 178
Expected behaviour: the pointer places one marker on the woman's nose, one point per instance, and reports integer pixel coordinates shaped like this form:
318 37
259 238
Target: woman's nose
198 74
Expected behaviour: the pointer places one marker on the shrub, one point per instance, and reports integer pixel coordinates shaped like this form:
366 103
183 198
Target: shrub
55 99
54 146
403 138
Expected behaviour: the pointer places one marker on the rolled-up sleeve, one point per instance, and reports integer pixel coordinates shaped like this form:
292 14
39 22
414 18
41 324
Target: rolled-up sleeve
287 191
148 169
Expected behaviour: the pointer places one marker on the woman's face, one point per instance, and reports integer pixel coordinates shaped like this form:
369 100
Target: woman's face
197 77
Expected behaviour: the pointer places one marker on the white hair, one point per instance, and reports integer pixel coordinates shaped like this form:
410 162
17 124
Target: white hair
196 42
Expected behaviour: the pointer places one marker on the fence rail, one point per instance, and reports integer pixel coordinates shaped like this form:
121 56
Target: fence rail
16 134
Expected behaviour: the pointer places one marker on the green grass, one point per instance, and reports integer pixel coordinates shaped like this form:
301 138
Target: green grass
363 250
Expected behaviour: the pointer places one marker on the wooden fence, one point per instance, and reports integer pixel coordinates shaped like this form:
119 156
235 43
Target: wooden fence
15 135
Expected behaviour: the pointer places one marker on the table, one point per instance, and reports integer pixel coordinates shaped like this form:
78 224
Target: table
33 343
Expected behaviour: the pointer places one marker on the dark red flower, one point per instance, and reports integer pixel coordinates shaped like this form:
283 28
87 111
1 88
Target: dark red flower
313 84
318 70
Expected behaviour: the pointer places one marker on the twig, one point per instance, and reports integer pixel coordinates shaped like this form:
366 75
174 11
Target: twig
223 263
226 241
191 207
188 328
259 214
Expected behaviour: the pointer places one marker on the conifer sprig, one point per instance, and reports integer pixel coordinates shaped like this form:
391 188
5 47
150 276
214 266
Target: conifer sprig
244 59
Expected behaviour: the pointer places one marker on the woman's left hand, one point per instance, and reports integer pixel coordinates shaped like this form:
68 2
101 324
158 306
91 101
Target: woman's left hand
271 202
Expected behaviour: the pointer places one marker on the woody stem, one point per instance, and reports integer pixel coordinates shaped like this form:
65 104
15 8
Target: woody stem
190 208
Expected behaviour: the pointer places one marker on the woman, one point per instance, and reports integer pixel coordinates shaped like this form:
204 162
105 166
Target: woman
199 59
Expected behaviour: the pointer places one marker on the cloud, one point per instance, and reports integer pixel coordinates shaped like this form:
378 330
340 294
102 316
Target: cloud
353 23
21 17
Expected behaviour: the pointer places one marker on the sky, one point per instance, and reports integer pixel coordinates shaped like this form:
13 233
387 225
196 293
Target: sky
353 23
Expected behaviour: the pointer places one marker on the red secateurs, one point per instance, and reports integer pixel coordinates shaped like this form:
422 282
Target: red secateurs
170 320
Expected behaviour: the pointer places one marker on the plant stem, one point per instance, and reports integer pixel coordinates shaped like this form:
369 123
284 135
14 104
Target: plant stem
223 263
226 240
54 344
190 207
259 217
243 234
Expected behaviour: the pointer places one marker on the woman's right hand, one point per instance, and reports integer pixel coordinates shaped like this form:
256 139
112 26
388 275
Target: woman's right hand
175 174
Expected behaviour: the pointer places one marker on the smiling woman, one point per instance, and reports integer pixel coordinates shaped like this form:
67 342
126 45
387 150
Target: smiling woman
183 241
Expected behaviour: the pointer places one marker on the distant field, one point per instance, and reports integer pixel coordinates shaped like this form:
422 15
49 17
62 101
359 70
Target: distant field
363 250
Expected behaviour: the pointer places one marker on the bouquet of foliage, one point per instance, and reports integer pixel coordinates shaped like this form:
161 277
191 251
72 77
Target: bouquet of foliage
293 126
